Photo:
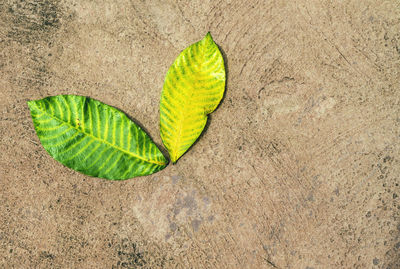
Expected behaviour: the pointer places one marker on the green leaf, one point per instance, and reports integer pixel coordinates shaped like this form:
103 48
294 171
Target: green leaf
94 138
193 88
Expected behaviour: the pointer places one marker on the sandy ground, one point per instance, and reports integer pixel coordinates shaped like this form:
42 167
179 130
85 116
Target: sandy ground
298 168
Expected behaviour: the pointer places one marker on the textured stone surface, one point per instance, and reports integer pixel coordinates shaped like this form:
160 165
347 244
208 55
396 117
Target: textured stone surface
298 168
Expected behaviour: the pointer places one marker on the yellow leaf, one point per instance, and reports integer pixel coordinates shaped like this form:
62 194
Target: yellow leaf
193 87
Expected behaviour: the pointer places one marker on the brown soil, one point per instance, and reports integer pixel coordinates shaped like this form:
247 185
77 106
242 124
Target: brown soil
298 168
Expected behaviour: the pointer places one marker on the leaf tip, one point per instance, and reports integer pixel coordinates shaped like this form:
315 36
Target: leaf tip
208 38
31 104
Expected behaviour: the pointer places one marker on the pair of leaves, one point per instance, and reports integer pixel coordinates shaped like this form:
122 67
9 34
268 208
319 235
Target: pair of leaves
99 140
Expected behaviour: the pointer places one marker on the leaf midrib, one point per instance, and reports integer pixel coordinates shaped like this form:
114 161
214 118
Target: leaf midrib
101 140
